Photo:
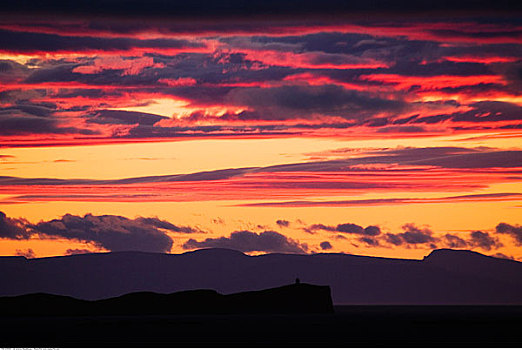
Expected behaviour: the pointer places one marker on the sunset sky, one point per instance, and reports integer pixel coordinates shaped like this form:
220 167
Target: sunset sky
156 127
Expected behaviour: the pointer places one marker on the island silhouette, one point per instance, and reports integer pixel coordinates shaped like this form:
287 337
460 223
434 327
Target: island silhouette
290 299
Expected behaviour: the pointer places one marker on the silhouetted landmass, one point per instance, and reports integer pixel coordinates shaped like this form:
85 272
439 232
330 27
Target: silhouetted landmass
206 317
444 277
296 298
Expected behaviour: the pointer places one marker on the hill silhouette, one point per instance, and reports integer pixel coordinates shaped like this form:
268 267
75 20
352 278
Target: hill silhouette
290 299
444 277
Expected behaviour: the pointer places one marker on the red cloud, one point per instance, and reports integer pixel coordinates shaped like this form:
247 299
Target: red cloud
317 60
178 82
434 82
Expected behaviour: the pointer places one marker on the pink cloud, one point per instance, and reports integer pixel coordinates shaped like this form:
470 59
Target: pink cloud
129 66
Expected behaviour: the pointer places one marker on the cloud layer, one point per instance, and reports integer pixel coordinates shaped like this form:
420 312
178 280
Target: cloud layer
111 232
273 76
413 236
118 233
247 241
341 172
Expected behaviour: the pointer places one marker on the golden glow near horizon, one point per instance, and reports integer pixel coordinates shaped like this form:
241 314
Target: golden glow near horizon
220 218
183 157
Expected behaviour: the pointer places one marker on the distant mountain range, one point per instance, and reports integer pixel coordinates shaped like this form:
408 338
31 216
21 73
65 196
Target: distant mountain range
443 277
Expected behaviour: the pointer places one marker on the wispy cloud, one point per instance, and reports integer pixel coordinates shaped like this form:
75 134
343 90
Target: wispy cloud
417 170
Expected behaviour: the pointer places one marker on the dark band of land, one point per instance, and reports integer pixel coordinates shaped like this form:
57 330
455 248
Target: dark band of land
448 299
349 326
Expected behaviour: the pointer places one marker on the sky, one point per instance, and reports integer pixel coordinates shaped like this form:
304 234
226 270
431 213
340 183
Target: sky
380 128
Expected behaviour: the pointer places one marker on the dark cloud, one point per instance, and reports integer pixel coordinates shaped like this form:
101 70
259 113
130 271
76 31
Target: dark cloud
369 241
480 112
415 235
476 34
357 44
114 233
412 235
11 71
393 239
155 222
451 157
205 131
402 129
455 242
77 251
247 241
470 159
446 157
484 240
13 228
28 253
345 228
197 77
283 223
514 231
388 201
325 245
511 126
12 41
372 231
306 102
264 42
200 176
432 51
513 74
316 227
56 72
125 117
349 228
29 119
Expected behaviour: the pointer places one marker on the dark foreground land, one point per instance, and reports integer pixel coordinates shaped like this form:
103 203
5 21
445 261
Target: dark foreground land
356 326
97 300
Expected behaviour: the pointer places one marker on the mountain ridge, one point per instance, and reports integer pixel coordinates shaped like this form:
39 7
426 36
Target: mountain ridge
442 277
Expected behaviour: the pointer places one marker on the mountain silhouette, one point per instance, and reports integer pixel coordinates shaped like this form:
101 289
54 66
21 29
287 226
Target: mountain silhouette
444 277
290 299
